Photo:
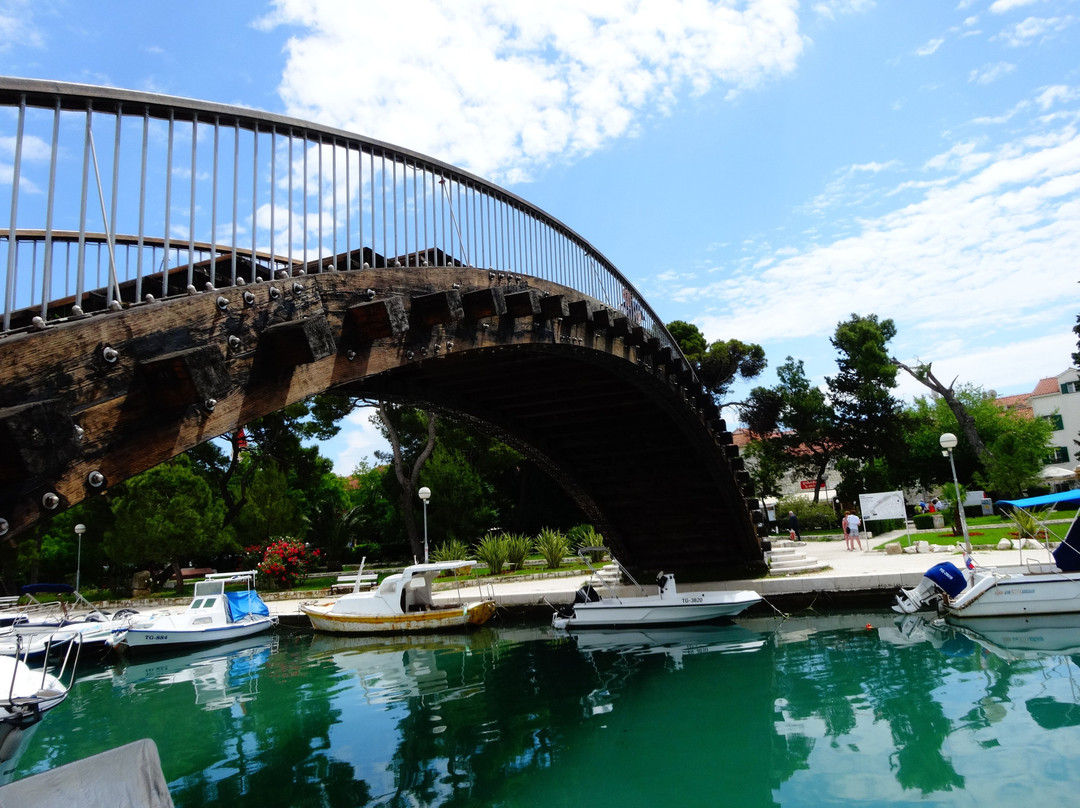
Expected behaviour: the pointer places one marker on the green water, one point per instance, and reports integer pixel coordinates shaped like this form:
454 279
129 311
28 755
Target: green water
843 710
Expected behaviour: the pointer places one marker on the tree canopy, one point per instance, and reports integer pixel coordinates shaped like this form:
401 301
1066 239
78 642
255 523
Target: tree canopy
720 363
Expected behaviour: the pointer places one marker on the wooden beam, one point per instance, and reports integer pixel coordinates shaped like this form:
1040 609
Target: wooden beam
295 342
186 377
482 303
36 439
438 308
581 311
378 319
525 303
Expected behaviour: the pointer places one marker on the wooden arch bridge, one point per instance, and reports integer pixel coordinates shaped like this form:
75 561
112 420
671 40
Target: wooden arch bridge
327 262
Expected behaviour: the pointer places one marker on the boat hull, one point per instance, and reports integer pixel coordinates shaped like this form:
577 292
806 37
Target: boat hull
1013 595
324 618
680 609
144 639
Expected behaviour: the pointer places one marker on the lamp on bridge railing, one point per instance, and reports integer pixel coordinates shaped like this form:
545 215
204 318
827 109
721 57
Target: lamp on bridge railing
948 442
425 494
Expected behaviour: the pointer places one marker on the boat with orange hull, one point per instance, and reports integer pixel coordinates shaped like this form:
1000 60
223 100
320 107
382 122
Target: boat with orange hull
401 604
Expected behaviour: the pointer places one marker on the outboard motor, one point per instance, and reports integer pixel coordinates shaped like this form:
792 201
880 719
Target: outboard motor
942 578
666 583
586 595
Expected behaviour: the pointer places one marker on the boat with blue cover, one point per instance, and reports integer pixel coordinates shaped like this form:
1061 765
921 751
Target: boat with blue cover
1033 587
213 615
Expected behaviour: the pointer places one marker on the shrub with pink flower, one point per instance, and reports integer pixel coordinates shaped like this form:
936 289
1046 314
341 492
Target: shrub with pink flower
284 562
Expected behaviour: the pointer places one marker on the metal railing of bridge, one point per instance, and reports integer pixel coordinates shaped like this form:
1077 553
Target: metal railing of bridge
189 183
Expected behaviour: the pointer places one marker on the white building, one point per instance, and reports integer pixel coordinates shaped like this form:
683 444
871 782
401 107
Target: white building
1057 400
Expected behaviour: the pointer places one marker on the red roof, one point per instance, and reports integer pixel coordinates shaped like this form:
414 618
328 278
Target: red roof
1047 387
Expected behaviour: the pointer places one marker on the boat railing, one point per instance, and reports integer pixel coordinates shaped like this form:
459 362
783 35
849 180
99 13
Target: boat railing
73 647
231 577
586 553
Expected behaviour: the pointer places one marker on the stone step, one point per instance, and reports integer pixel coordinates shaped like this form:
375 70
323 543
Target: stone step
810 565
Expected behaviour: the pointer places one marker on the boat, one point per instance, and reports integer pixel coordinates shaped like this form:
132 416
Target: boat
40 625
213 616
27 694
590 610
1033 587
402 603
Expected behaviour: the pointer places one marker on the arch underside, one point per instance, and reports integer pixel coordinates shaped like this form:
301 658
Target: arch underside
593 399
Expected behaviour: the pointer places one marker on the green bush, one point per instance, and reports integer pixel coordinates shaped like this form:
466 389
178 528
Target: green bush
493 551
811 517
880 526
553 546
450 550
923 521
518 548
581 536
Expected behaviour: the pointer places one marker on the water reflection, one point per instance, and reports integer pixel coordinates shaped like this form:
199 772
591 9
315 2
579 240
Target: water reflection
842 709
221 675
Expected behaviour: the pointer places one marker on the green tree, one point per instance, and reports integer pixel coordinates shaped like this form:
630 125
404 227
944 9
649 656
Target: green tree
460 505
410 449
868 427
331 522
1017 455
794 426
270 509
164 515
1020 440
718 364
377 526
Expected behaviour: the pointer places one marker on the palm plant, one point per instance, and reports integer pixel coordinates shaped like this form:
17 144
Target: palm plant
553 546
581 536
1027 523
518 547
450 550
493 551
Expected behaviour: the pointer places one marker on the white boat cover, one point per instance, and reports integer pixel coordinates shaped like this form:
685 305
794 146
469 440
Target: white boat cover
129 776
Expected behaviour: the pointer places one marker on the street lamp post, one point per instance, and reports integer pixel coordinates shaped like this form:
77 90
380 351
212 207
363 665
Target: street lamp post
948 442
425 494
79 530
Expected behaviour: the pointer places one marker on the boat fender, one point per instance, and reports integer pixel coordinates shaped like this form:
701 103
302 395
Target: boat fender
586 595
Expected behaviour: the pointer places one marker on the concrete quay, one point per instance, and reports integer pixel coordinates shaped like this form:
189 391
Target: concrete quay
848 579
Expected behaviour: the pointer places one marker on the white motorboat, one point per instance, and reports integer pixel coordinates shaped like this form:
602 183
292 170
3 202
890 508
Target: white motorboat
1031 588
40 626
402 603
668 607
213 616
27 694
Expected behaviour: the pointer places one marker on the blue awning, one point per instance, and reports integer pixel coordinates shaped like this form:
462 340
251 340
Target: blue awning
1046 499
49 589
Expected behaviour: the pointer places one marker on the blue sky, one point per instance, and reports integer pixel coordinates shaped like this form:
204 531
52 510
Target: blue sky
762 169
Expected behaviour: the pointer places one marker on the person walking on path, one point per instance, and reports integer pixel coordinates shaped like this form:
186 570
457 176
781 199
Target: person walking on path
793 526
854 524
843 524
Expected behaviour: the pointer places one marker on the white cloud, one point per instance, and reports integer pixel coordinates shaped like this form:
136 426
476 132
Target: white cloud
978 272
17 25
1002 6
503 89
990 73
833 8
930 47
357 442
1026 32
